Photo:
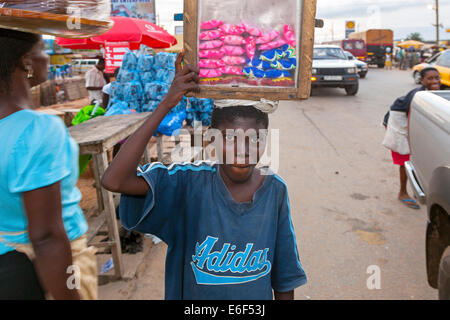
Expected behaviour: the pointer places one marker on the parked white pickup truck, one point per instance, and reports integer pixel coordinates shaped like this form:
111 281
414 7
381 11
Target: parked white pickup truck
429 174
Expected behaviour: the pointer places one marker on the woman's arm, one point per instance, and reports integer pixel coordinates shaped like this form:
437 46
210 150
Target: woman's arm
121 174
49 239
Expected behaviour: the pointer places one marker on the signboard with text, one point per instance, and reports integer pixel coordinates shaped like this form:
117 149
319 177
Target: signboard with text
141 9
114 52
349 28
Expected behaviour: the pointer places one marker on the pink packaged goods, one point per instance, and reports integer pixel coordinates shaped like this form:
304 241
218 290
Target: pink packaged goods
208 45
233 50
289 36
211 54
272 45
251 30
237 71
210 73
231 29
211 63
245 54
211 24
272 35
233 40
250 47
210 35
234 60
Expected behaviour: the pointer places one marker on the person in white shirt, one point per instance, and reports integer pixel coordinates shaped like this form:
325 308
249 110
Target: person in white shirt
95 81
107 90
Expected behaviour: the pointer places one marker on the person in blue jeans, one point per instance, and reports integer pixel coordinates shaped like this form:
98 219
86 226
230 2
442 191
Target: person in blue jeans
40 219
227 225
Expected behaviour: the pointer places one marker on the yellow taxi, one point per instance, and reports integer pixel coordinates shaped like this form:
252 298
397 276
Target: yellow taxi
440 61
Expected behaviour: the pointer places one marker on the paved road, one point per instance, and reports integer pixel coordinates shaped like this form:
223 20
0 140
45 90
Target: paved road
343 190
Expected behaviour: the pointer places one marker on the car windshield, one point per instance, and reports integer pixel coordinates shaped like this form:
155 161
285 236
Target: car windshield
329 53
350 56
359 45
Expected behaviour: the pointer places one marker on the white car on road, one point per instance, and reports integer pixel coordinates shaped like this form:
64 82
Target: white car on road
331 68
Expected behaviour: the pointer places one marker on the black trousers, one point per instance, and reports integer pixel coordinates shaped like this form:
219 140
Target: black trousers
18 278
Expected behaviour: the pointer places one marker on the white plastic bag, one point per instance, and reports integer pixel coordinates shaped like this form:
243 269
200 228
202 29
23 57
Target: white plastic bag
396 137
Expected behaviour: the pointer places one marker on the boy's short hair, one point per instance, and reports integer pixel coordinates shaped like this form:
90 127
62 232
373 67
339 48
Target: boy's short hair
424 71
229 114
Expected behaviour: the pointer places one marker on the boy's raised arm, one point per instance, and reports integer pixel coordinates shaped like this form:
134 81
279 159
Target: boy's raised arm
284 295
121 174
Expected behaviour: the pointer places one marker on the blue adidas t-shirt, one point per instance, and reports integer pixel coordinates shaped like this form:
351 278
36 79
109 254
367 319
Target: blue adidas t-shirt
218 249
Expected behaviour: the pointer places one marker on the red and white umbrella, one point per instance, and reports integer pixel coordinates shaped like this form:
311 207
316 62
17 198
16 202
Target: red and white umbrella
130 30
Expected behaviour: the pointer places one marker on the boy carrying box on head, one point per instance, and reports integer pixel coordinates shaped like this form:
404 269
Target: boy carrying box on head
227 226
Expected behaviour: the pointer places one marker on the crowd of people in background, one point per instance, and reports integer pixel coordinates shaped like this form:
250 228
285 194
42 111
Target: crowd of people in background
405 59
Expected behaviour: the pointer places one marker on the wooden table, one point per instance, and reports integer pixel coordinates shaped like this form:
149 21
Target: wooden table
95 137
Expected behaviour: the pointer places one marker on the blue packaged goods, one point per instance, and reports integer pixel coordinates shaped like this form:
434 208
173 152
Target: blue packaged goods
130 61
145 63
201 105
128 76
135 105
120 107
259 64
272 55
165 60
172 123
165 75
150 106
156 90
133 91
146 77
285 64
117 90
277 74
289 51
253 72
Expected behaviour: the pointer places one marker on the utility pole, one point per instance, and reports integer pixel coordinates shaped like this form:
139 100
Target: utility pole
437 22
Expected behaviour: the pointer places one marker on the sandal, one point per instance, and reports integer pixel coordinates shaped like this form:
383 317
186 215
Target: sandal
410 203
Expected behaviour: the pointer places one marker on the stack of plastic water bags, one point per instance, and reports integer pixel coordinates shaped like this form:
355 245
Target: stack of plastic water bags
199 110
143 81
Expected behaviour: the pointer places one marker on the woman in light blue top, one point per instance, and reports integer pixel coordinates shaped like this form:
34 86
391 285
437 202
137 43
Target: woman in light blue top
38 173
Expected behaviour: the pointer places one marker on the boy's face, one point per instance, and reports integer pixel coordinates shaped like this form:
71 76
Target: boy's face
432 80
244 141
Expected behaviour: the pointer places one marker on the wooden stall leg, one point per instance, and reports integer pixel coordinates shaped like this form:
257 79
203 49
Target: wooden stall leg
101 163
98 186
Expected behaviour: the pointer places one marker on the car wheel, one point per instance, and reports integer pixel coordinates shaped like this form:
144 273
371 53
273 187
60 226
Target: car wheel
363 75
417 77
381 65
444 276
352 89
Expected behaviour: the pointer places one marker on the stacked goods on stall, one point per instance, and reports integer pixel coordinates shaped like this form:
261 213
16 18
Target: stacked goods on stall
142 83
64 18
199 110
245 54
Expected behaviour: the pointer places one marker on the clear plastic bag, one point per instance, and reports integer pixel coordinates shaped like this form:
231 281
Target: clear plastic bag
63 18
252 30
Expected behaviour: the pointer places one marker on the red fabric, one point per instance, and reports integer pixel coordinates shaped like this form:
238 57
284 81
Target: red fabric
400 159
131 30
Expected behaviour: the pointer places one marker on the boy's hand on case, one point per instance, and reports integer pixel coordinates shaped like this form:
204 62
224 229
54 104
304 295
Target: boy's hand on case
186 80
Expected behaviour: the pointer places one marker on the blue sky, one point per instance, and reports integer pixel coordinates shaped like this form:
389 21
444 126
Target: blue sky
402 16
